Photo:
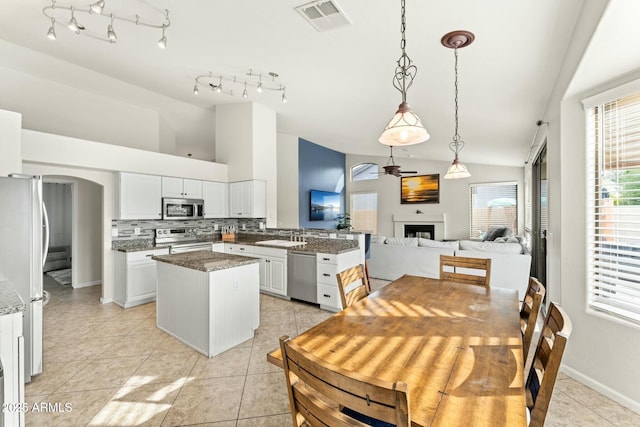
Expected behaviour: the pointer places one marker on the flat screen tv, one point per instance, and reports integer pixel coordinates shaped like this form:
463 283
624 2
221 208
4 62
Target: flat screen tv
324 205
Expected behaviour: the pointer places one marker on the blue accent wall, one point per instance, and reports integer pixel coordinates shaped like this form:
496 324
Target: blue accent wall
319 168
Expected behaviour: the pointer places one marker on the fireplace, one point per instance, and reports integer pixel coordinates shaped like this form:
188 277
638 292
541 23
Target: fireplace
433 224
424 231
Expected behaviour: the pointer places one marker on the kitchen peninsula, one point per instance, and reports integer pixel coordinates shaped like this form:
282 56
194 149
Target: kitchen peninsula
208 300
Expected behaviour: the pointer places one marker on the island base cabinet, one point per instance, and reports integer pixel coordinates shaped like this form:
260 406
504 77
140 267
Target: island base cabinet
135 277
210 312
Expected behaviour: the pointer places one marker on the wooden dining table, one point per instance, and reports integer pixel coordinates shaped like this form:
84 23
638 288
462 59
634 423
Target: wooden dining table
458 347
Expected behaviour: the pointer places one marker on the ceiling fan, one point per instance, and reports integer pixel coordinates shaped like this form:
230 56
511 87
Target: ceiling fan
391 168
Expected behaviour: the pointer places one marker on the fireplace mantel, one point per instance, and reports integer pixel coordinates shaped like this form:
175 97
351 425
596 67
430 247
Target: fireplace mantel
438 221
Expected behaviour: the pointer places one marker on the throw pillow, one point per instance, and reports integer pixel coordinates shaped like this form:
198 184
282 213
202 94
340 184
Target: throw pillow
495 232
504 248
378 239
402 241
428 243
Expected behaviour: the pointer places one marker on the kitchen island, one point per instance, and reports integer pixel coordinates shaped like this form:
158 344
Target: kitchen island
208 300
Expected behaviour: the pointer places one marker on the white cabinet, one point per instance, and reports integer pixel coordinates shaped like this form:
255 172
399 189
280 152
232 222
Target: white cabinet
273 270
216 199
138 196
247 199
135 277
180 188
12 382
327 268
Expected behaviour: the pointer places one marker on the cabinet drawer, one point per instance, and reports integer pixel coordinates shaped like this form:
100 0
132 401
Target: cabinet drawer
269 252
146 255
326 274
327 258
232 248
329 295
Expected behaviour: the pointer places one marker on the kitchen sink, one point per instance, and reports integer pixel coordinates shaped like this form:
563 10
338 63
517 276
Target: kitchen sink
281 243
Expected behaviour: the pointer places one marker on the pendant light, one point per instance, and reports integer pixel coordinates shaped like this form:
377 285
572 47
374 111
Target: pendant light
456 40
405 128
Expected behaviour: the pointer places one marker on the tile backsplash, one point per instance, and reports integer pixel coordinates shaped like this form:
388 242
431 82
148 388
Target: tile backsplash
125 229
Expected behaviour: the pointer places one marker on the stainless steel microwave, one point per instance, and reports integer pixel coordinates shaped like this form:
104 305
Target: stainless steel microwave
182 208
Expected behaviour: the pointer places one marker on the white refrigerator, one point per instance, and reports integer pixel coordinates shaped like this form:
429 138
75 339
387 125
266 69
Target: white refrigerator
24 240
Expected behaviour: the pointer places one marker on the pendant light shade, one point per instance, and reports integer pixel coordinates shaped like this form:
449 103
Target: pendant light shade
457 170
405 128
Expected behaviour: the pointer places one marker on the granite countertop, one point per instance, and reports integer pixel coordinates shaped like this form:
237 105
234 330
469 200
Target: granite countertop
313 245
10 301
206 260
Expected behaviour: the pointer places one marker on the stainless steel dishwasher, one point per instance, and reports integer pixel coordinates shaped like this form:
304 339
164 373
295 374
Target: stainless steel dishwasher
301 276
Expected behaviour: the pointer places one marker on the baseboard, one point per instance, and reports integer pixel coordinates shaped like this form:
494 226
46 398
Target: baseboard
602 389
106 300
87 284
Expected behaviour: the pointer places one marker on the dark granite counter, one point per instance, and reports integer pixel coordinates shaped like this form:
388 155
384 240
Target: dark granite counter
10 301
206 261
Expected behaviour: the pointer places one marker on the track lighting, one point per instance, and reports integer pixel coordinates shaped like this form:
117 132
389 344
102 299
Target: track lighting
97 8
110 33
73 23
162 43
51 34
249 81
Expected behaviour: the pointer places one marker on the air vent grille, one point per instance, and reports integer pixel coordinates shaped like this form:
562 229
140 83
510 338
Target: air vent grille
323 15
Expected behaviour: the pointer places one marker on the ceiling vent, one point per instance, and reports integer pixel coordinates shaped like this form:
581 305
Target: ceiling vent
323 15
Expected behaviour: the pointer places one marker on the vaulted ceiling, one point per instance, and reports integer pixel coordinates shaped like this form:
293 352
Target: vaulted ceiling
338 82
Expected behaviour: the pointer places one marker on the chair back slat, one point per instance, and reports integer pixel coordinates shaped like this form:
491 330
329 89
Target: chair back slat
457 262
531 305
546 363
308 378
353 285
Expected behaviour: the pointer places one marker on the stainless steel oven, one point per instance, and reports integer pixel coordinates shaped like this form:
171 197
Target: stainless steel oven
182 208
181 239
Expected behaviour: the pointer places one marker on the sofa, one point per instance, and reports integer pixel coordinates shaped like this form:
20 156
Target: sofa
58 257
392 257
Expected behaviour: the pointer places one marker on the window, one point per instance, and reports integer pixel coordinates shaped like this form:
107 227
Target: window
613 203
364 211
492 205
363 171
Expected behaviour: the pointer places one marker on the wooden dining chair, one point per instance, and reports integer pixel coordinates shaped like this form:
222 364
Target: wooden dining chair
319 393
346 280
456 262
529 311
546 363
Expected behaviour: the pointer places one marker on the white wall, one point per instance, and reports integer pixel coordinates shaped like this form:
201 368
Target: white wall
55 96
600 352
287 166
10 130
62 150
57 199
454 194
234 139
265 152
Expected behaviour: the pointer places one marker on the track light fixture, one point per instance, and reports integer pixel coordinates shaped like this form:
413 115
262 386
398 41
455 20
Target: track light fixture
97 8
214 81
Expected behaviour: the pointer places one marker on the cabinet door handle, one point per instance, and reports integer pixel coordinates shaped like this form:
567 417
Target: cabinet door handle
326 259
326 295
149 256
326 275
242 249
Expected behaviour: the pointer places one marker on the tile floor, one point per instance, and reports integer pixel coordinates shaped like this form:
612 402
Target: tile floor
113 367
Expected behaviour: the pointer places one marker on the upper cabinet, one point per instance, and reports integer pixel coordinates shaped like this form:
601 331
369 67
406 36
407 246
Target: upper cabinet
247 199
180 188
216 199
138 196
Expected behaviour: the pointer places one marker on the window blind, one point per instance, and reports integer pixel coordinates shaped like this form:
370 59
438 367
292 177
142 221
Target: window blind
364 211
493 205
613 202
